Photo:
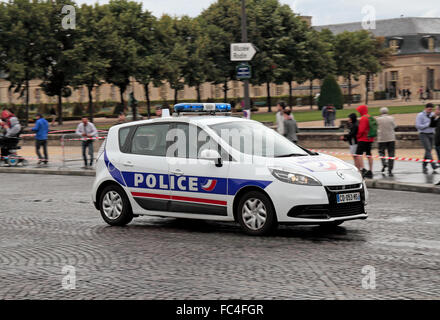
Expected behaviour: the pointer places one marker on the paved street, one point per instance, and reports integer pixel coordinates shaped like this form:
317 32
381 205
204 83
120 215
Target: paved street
48 222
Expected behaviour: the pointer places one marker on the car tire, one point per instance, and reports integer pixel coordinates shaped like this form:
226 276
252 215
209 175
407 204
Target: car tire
114 206
255 214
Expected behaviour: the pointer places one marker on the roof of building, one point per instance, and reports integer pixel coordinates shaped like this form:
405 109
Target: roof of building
391 27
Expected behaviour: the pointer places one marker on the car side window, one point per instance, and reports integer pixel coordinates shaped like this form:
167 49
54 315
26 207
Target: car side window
123 134
185 134
150 140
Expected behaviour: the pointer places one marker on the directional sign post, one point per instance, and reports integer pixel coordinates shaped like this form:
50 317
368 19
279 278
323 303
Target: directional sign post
243 71
242 51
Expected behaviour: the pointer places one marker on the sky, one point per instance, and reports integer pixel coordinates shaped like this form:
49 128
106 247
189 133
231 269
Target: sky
322 11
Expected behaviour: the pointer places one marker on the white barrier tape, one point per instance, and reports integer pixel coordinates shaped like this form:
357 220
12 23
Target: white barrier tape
379 157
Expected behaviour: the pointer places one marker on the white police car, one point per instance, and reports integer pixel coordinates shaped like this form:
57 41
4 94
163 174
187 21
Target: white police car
221 168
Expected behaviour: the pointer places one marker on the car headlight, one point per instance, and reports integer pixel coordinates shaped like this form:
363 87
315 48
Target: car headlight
295 178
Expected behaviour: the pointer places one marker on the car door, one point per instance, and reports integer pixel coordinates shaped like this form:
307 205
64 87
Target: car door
198 187
145 169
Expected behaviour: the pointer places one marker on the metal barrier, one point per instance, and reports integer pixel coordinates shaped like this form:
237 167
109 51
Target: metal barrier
71 146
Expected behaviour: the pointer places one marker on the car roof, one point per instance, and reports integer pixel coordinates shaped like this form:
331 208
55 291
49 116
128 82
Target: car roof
200 120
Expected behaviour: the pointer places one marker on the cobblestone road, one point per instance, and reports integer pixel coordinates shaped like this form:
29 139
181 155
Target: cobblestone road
47 222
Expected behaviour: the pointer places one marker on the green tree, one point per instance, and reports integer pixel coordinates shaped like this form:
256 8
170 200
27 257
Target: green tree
319 58
58 68
350 55
23 26
330 93
88 54
126 18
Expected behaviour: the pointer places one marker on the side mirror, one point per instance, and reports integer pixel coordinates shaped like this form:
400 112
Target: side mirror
212 155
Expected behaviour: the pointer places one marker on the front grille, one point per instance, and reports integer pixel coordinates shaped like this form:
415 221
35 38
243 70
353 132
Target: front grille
345 187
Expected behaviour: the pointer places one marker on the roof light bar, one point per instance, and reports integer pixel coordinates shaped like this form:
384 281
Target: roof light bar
202 107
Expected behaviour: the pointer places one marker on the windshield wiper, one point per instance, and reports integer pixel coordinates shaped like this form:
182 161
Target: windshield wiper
291 155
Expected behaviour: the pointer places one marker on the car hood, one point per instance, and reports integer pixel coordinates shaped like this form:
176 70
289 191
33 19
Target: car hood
327 169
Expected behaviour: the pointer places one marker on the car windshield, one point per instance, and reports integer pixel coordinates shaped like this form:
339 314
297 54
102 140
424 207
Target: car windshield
254 138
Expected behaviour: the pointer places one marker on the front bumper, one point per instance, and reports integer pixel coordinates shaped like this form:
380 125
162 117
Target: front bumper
321 213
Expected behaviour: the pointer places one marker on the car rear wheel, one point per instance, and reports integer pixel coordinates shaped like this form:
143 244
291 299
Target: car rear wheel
115 207
256 214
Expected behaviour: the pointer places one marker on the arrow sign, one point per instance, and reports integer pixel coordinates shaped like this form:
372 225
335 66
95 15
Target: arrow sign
242 51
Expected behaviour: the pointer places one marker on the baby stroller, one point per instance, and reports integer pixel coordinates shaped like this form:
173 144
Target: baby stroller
9 147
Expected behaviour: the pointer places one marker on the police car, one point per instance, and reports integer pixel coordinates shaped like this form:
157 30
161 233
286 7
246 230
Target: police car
203 163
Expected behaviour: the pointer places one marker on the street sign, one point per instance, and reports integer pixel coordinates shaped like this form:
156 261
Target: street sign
243 71
242 51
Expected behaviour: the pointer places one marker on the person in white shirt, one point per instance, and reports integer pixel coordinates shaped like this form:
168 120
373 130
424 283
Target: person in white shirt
280 117
87 130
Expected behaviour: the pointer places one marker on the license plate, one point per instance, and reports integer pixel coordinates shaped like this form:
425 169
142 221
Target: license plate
348 197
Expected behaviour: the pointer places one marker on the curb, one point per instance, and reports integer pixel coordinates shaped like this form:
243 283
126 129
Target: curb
61 172
400 186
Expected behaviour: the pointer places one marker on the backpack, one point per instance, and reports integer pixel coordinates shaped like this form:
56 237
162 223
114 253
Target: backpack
372 133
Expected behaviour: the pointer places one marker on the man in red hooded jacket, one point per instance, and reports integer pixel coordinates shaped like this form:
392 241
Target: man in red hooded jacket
364 143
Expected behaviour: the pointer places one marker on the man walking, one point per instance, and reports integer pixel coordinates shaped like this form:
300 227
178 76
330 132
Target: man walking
386 138
426 134
41 130
280 117
290 126
365 140
435 123
88 131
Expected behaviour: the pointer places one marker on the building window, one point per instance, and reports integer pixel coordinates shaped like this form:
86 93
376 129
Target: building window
394 45
256 92
38 95
394 75
407 81
112 93
81 95
181 94
97 93
431 44
217 92
163 92
279 90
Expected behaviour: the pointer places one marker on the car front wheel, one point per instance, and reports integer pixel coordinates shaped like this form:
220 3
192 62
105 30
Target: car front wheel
115 207
256 214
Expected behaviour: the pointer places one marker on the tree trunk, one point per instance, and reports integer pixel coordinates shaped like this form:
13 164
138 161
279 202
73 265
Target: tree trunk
367 87
91 111
175 95
147 97
199 97
225 91
349 90
27 101
311 94
121 94
269 101
290 95
60 109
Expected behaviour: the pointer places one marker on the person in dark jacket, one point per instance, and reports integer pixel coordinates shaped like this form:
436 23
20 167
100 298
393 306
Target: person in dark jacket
290 126
435 123
41 130
350 137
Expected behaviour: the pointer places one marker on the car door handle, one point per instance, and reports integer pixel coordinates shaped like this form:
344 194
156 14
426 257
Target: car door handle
177 172
128 164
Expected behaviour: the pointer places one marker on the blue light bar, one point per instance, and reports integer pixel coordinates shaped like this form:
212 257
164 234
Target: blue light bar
202 107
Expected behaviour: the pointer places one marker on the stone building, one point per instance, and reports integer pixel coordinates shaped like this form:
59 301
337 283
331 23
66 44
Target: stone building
415 64
416 59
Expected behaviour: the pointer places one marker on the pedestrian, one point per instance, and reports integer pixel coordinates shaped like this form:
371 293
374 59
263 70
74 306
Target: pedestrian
279 116
365 137
386 138
290 126
324 115
421 94
408 92
41 129
53 116
11 127
158 111
351 136
331 115
435 123
426 135
122 118
88 132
